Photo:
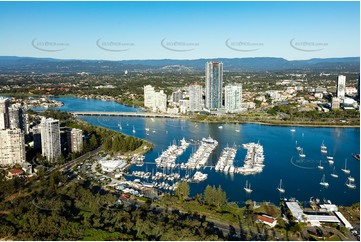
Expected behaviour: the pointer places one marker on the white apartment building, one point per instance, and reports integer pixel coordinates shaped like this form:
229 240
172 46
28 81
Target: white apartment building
157 101
195 97
233 98
341 86
4 113
12 147
76 140
50 139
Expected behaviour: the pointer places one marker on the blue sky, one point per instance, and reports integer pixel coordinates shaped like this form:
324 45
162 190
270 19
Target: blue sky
189 30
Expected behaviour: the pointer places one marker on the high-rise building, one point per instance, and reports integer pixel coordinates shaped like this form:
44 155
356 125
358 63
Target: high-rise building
16 117
233 98
157 101
195 97
12 147
214 82
341 86
4 113
50 139
76 140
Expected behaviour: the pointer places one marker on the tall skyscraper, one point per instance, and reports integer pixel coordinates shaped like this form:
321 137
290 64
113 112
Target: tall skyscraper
4 113
214 82
195 97
233 97
341 86
12 147
50 139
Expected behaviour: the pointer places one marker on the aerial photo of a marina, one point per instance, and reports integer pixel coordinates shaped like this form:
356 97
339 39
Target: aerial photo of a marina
173 121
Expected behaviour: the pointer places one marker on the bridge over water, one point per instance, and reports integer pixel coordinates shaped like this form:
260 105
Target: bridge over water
126 114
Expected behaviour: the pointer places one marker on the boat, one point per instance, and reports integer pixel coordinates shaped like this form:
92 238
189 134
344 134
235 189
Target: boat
279 188
237 130
320 166
329 157
298 148
220 127
301 153
247 188
323 181
323 146
293 130
350 184
356 156
120 126
351 179
347 171
334 173
133 129
330 162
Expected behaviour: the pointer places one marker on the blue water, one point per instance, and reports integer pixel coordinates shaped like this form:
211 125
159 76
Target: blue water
300 177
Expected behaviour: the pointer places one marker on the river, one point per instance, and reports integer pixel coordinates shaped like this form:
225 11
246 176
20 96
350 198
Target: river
301 177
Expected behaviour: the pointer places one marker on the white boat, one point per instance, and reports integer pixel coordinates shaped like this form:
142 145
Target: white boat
334 173
323 146
133 129
329 157
323 181
320 166
247 188
350 184
279 188
237 130
220 127
346 170
298 148
120 126
330 162
293 130
301 153
351 179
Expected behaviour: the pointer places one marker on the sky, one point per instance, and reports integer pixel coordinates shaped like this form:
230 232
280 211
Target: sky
179 30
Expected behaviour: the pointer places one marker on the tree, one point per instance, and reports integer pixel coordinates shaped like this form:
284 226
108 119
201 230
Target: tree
93 141
182 190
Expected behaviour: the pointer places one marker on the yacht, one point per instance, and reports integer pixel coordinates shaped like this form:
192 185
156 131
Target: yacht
247 188
350 184
334 173
279 188
320 166
347 171
301 153
220 127
330 162
133 129
323 181
293 130
323 146
351 179
120 126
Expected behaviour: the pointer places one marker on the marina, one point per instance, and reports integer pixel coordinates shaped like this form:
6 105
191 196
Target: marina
253 163
200 157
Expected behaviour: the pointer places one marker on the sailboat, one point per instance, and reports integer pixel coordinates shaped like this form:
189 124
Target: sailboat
350 184
346 170
247 188
298 148
120 126
334 173
279 188
351 179
293 130
301 153
320 166
323 146
133 129
323 181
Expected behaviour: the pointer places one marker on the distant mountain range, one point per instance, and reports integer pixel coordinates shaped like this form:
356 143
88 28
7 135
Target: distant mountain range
26 65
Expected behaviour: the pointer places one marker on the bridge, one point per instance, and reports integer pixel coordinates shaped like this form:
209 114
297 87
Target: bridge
126 114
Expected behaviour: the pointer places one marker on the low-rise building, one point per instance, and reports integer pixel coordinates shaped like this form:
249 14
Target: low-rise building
268 220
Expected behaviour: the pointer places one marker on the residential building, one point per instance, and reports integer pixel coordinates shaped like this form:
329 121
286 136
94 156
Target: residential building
268 220
195 97
341 86
12 147
233 98
176 96
16 117
50 139
214 83
157 101
4 113
76 140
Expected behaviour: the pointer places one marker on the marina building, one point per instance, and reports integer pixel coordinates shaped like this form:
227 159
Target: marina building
233 98
214 83
12 147
50 139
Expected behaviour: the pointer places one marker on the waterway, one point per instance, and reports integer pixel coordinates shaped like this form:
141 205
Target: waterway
301 177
